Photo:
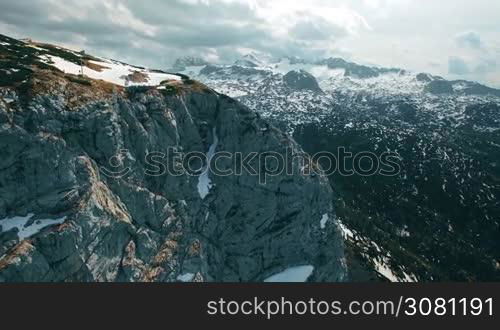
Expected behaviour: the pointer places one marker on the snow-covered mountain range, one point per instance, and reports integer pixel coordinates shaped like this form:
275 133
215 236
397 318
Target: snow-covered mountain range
438 219
261 84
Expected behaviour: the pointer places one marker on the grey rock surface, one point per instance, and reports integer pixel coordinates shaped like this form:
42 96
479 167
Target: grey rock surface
140 227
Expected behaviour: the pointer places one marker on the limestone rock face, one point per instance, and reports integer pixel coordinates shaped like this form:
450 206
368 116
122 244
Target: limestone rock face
58 161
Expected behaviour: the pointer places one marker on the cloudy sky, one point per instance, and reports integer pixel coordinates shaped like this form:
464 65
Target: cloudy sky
459 39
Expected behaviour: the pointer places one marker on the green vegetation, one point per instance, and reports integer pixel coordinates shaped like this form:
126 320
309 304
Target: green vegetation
446 240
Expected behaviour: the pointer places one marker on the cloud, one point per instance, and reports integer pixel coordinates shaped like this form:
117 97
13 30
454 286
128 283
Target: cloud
157 33
469 39
486 66
472 67
316 29
458 66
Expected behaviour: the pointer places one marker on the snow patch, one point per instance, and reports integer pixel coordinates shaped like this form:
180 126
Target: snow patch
204 182
63 65
24 230
323 221
292 274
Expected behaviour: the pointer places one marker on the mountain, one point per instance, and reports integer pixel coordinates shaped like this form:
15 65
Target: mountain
437 219
85 194
184 63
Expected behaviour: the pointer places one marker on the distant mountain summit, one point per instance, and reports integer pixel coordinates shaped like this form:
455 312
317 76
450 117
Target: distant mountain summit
330 73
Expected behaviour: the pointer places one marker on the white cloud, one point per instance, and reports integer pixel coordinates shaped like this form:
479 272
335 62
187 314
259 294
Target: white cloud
412 34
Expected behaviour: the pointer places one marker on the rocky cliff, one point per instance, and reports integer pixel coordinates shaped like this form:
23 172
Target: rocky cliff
64 216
